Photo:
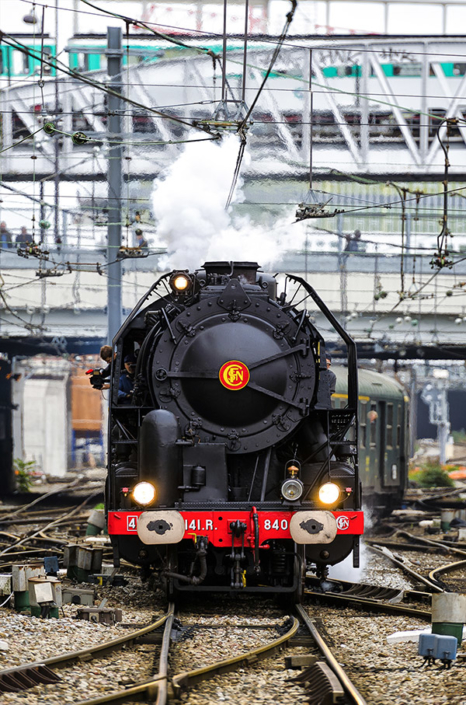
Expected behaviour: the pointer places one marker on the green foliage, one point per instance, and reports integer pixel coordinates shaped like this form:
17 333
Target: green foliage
431 476
459 436
23 472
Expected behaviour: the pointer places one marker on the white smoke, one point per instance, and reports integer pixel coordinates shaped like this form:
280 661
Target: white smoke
345 570
189 205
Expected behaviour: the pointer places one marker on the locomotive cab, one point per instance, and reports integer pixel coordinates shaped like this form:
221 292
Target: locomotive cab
228 468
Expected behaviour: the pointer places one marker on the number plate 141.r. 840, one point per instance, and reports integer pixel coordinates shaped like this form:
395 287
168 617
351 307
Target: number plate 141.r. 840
216 525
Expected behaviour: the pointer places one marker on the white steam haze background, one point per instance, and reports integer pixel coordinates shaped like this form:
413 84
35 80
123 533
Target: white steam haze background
345 569
189 206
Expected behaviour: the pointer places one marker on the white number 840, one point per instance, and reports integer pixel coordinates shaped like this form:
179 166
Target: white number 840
283 524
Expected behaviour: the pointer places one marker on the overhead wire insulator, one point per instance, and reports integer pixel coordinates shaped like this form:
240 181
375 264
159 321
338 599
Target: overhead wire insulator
79 138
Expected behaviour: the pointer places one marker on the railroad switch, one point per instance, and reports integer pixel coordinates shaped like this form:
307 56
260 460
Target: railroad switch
437 646
44 597
51 565
100 615
78 596
5 584
103 579
321 683
14 680
81 560
300 661
180 633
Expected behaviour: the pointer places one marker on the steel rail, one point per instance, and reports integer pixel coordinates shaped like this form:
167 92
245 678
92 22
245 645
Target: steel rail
397 545
350 689
370 604
28 538
387 554
449 568
40 520
162 690
434 543
25 507
67 658
154 689
189 678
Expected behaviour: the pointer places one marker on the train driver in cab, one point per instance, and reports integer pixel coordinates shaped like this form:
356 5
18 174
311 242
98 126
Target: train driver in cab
125 388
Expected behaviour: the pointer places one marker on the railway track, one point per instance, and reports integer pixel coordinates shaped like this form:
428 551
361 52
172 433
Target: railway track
373 598
436 580
33 673
323 676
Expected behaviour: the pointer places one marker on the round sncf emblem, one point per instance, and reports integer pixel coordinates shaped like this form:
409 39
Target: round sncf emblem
234 375
343 523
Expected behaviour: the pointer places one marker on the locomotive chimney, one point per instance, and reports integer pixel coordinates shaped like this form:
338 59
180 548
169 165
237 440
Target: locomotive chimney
236 270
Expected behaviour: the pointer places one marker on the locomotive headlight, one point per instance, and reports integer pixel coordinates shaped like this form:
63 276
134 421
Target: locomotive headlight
292 489
180 282
329 493
144 493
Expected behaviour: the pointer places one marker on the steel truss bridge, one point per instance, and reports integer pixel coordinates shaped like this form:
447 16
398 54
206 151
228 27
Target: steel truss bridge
375 108
428 326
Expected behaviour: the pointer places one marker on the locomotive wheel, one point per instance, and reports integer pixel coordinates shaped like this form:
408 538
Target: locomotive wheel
172 565
299 575
289 599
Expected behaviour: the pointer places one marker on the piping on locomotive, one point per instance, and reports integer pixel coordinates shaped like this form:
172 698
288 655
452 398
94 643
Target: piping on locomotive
228 468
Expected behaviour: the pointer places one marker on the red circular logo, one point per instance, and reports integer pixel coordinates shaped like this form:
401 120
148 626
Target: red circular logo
234 375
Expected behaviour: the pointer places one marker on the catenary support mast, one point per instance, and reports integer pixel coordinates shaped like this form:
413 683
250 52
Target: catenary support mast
114 66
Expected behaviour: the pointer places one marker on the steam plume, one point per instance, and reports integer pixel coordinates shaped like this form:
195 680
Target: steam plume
189 205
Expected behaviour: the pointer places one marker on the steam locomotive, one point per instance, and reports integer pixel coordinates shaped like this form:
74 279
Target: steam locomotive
228 468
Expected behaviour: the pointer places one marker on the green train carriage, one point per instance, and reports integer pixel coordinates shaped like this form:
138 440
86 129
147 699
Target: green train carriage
382 437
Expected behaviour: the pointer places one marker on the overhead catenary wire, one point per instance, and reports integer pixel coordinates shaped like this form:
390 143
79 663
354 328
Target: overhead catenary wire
190 31
436 117
11 41
244 122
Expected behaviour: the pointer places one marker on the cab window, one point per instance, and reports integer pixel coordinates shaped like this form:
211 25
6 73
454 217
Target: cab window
363 425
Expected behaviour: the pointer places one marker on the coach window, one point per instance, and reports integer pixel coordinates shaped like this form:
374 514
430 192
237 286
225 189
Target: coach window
20 63
83 62
389 425
373 416
363 424
398 427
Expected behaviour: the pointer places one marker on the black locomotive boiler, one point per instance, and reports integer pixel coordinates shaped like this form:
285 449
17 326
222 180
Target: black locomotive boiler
228 468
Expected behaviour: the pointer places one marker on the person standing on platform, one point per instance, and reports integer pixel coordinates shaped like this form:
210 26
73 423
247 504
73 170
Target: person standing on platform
5 237
23 238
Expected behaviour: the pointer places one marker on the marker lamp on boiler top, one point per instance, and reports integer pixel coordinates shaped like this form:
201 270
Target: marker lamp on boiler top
329 493
144 493
292 489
